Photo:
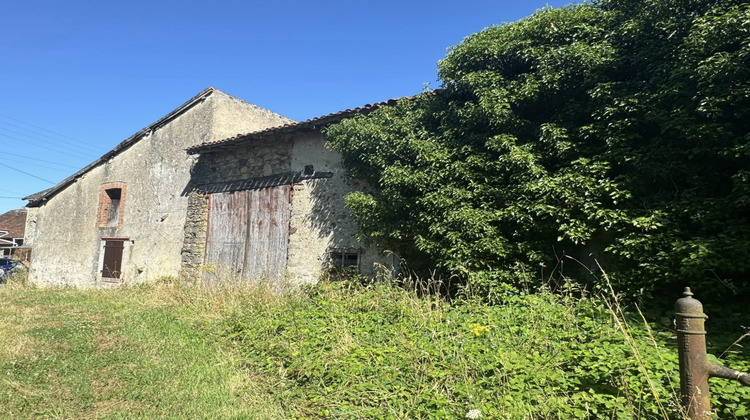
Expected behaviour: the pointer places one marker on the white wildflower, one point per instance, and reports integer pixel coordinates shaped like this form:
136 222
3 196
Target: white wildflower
474 414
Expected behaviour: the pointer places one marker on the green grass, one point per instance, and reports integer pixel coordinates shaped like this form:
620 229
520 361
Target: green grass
337 350
127 353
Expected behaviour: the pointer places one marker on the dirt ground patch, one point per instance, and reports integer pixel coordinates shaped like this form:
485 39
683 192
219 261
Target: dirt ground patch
105 408
107 340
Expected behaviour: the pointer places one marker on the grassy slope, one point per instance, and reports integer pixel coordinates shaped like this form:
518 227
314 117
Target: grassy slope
115 354
336 351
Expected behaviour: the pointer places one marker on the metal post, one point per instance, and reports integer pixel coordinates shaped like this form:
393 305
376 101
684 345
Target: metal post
691 345
695 369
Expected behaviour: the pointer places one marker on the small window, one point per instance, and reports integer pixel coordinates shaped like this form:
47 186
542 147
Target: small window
114 195
344 260
111 203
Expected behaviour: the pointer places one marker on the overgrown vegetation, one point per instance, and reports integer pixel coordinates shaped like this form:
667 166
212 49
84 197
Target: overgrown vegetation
341 350
348 351
615 130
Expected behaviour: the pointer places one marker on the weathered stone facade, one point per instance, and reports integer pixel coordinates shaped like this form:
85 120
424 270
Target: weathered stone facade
66 225
261 158
319 225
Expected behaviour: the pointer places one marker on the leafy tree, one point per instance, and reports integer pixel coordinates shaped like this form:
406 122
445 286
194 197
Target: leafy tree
616 131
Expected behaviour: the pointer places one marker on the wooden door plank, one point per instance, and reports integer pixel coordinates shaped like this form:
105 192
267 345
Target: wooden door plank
248 232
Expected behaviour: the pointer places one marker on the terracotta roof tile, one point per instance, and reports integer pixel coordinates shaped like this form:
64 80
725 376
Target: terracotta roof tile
14 222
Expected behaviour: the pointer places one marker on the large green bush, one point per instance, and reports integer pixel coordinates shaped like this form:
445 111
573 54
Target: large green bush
615 131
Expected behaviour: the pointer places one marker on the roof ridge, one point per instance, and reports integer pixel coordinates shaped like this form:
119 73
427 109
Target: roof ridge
123 145
310 123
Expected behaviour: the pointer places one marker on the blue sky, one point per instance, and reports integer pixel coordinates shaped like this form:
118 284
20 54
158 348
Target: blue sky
78 77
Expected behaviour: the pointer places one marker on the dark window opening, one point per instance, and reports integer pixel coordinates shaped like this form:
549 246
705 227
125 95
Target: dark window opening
114 195
344 260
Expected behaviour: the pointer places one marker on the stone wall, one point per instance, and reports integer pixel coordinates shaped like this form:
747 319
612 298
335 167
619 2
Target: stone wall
243 161
319 221
194 246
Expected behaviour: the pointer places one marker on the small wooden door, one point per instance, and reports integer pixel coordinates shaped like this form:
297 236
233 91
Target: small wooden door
248 232
112 265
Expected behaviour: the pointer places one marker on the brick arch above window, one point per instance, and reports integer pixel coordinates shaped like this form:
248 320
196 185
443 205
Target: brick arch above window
111 204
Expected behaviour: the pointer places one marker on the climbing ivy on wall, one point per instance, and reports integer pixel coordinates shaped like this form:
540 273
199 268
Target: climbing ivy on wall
614 132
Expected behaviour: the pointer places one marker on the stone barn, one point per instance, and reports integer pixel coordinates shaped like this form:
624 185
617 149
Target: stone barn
122 217
189 196
270 204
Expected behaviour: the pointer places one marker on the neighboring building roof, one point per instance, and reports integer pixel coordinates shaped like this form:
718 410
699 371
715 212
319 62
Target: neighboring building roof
40 197
14 222
307 125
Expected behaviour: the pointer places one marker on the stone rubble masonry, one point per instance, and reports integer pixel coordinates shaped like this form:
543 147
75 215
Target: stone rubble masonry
196 224
260 158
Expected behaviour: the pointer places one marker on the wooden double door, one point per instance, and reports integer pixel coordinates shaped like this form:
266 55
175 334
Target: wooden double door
248 233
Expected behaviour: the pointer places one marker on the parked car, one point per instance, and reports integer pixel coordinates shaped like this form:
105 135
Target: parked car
7 265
